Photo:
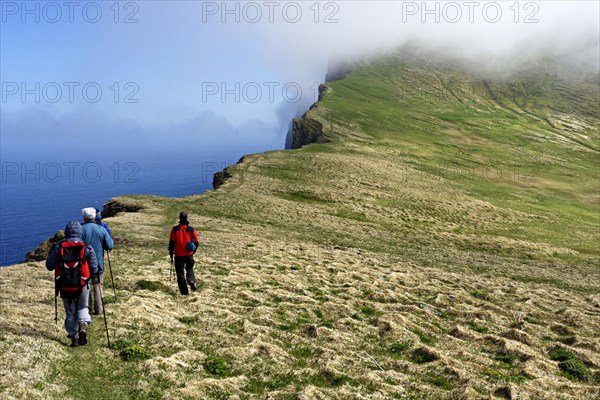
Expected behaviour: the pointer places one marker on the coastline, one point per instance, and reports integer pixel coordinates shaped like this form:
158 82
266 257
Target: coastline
304 131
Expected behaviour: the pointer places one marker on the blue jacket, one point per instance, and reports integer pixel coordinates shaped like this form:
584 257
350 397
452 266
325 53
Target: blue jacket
103 224
73 232
97 237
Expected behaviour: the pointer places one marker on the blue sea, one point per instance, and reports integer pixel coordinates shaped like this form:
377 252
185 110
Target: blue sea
38 198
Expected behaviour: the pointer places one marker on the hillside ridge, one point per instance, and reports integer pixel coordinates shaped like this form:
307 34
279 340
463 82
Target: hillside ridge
439 245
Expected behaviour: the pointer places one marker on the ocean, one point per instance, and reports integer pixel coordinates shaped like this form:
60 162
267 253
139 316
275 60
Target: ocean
37 198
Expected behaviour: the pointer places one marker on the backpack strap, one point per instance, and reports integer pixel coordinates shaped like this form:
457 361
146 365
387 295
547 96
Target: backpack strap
190 230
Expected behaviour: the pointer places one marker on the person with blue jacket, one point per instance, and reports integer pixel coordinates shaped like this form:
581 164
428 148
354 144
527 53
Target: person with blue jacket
77 308
102 223
97 237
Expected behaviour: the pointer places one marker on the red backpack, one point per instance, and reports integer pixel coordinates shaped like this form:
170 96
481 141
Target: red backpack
184 240
72 271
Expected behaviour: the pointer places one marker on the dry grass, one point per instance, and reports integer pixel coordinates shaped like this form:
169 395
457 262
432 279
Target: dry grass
340 271
313 311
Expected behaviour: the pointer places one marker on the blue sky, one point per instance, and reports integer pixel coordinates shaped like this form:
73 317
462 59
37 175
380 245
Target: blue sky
163 61
177 48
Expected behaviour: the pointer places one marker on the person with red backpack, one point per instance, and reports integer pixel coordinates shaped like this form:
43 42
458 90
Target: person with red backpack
183 243
74 264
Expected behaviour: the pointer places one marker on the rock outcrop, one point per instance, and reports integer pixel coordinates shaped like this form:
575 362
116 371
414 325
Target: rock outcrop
113 207
222 176
306 130
41 252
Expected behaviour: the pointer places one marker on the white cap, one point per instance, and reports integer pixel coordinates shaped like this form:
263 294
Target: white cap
89 214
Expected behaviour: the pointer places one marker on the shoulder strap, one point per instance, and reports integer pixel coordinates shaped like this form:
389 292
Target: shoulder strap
190 231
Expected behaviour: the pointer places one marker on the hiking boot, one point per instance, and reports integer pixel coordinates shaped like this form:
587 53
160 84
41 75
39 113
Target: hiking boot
193 287
75 342
83 334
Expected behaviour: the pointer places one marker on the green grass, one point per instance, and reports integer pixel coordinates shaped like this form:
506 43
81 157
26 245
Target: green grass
301 352
121 344
574 369
135 353
570 364
129 351
110 376
422 356
479 328
369 311
279 381
260 386
442 382
188 319
398 348
504 376
217 366
506 360
560 354
424 338
154 286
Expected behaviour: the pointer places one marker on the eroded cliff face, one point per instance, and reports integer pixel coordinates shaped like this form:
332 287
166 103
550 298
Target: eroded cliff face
41 252
219 178
113 207
304 130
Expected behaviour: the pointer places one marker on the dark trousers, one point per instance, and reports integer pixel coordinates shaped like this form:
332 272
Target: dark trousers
185 263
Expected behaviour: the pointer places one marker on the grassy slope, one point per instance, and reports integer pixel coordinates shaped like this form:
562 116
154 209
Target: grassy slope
437 247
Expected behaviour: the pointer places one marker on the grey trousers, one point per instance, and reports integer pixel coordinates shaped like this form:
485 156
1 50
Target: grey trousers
96 293
76 316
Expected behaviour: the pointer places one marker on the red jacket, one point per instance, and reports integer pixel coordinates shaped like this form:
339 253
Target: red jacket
180 235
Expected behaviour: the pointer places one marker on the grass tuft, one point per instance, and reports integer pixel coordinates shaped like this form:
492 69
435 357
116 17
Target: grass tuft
153 286
188 319
570 364
424 355
217 366
135 353
442 382
397 348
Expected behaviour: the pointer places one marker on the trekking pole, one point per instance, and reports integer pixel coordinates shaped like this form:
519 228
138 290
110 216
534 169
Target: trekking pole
76 301
111 277
105 322
56 290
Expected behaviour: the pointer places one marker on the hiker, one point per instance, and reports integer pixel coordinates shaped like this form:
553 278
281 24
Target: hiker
97 237
102 223
74 263
184 243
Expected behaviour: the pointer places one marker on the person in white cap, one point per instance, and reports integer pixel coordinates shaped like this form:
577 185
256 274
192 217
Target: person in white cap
97 237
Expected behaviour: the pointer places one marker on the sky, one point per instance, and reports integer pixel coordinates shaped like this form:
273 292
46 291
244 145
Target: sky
144 78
